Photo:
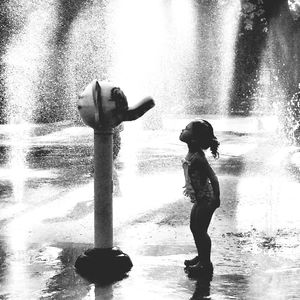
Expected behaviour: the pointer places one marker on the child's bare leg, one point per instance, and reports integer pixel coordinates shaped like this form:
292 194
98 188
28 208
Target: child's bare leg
204 248
199 222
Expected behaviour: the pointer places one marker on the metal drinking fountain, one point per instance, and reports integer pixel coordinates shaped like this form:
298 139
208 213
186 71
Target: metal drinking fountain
103 106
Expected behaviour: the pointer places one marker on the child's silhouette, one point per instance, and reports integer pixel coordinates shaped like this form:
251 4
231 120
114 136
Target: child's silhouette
202 186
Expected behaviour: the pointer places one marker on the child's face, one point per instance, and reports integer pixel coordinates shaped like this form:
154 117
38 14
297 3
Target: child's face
186 133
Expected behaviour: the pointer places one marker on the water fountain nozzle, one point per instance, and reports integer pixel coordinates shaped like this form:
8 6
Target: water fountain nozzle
103 105
139 109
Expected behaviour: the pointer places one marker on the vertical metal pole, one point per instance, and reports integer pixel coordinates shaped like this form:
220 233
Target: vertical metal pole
103 213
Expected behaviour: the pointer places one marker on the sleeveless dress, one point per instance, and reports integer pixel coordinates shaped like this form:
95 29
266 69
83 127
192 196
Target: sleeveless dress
197 188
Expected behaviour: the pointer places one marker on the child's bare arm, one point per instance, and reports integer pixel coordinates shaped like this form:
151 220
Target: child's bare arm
214 183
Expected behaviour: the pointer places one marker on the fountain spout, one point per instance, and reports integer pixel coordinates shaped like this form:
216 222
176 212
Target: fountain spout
139 109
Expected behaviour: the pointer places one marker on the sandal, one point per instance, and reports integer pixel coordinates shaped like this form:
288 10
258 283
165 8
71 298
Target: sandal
199 268
191 262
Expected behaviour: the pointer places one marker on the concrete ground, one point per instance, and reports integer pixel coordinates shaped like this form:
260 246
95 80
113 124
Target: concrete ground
46 213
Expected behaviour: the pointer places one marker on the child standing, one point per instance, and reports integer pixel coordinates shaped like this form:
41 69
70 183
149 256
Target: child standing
202 186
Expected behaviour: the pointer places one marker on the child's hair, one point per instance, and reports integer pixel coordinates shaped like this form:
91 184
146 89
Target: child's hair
203 135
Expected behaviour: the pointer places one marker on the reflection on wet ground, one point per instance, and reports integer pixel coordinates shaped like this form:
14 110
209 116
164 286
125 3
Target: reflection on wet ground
157 273
255 233
69 163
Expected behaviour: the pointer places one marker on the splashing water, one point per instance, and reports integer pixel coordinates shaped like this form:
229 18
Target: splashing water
24 60
121 41
167 58
229 27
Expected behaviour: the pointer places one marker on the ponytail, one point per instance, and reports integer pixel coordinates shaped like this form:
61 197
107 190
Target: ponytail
214 145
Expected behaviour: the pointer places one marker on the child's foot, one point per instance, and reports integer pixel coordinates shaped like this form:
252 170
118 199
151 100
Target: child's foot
200 269
191 262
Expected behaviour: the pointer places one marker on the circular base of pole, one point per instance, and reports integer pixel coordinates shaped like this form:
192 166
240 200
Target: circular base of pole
103 265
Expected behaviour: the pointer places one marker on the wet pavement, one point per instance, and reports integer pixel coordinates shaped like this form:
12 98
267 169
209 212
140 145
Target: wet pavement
46 213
